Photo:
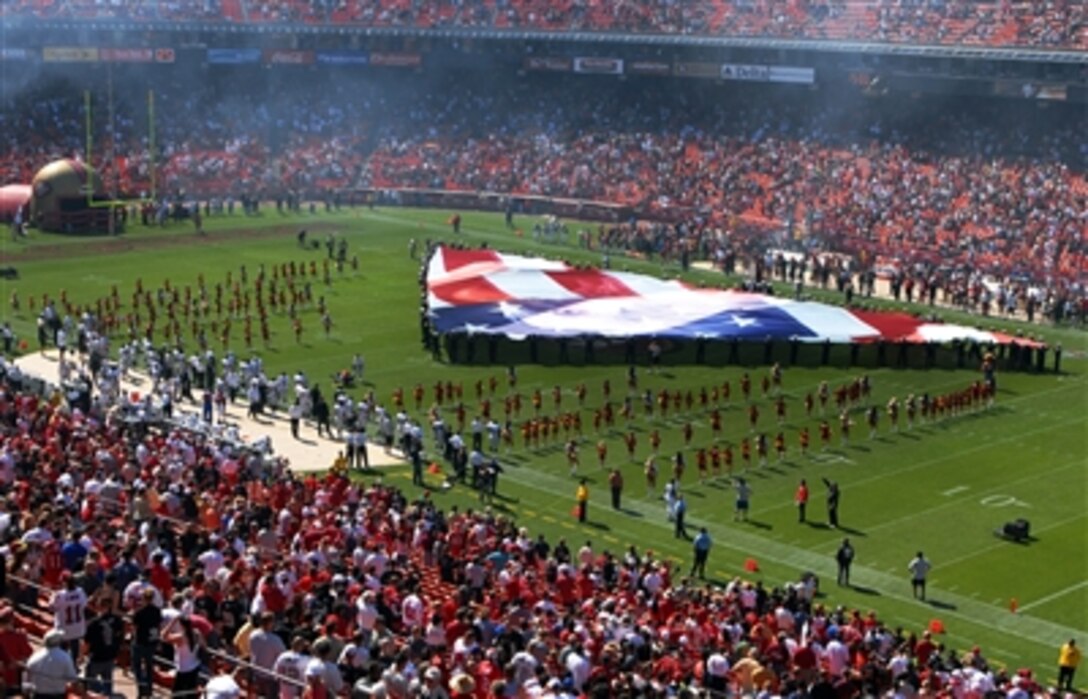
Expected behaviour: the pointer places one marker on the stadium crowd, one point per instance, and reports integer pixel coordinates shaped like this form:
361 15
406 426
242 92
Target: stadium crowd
330 586
1031 23
988 207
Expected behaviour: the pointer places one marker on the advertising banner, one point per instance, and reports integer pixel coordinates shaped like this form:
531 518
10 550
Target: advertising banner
234 56
601 66
69 54
288 58
697 70
1030 90
791 74
739 71
166 55
343 58
768 74
649 67
10 54
396 60
555 64
112 55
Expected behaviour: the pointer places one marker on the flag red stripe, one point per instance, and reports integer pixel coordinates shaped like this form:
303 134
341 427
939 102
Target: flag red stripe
591 283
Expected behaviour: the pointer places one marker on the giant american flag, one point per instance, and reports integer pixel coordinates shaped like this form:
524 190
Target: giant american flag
489 292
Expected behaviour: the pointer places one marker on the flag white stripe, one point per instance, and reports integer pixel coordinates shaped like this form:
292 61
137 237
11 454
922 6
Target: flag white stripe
530 284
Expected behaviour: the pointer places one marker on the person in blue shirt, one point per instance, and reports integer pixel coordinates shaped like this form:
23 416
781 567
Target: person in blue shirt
701 545
73 553
679 512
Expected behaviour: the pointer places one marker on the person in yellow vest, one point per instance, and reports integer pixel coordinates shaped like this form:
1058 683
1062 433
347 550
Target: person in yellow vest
582 498
340 464
1068 659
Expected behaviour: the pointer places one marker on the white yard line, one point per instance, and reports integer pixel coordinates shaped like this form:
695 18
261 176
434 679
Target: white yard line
1054 595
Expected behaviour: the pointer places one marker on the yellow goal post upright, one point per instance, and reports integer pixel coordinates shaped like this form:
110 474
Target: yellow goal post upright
88 110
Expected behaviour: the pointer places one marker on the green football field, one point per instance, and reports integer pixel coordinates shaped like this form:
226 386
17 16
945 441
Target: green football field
943 487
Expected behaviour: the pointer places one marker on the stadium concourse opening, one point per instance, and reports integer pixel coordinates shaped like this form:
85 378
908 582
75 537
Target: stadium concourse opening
488 307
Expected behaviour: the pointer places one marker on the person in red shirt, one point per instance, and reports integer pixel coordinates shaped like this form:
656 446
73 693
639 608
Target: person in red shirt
274 599
15 650
631 440
161 577
701 463
800 498
52 562
924 650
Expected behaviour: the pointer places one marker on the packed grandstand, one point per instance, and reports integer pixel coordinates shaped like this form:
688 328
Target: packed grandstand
984 198
950 199
1035 23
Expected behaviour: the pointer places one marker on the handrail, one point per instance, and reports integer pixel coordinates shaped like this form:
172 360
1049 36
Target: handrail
222 656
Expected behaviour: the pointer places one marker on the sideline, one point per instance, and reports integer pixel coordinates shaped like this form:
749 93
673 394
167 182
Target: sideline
308 454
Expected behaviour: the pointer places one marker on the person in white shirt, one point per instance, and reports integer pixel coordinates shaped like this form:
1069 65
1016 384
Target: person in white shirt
411 611
717 672
289 668
50 670
187 642
579 668
330 673
366 614
212 560
222 687
899 663
69 607
919 567
837 655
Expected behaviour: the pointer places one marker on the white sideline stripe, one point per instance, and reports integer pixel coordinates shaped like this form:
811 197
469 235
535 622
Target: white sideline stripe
953 491
1054 595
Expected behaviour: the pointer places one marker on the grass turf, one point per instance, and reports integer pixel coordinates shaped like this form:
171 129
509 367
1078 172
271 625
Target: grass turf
943 488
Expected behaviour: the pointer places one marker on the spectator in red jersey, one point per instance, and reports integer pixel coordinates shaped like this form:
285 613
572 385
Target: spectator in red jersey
15 649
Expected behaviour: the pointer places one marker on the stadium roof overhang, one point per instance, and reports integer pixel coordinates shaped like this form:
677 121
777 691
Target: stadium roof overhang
874 48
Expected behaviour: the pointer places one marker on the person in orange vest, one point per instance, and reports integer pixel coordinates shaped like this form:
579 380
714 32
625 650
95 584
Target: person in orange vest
800 498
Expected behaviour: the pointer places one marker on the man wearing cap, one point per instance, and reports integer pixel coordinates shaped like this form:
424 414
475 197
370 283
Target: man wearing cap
50 670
